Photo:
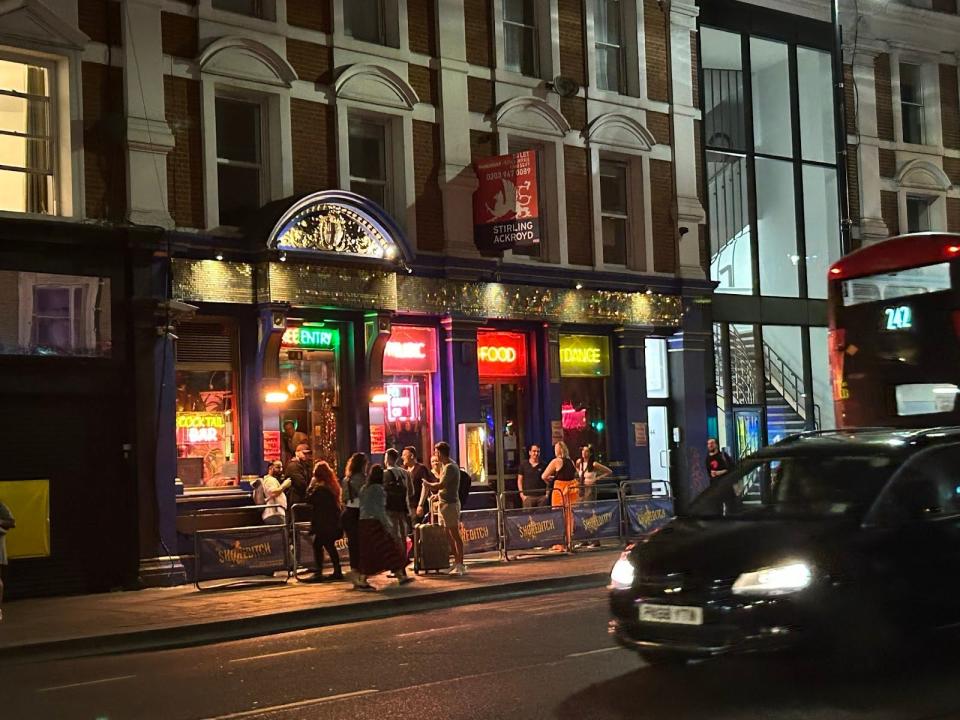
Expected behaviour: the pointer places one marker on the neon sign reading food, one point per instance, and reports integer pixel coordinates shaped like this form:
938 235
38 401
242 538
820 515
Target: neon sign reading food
501 354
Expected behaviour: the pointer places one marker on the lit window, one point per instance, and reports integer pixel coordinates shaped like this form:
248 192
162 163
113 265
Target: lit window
911 103
252 8
918 213
369 161
364 20
239 159
27 144
609 44
613 211
520 37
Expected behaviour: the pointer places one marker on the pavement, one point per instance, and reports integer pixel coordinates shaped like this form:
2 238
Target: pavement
182 616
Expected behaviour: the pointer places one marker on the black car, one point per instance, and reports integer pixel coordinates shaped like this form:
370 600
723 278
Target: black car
844 537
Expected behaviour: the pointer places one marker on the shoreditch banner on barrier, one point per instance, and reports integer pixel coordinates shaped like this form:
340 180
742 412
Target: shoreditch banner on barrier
539 527
241 552
305 554
596 520
646 515
478 528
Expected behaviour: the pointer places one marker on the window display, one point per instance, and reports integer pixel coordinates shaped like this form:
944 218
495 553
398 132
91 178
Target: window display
206 429
404 417
584 367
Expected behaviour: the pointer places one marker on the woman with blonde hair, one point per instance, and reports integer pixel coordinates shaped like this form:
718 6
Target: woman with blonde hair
566 486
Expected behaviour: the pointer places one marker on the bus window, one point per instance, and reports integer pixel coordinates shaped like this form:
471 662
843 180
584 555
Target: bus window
900 283
926 398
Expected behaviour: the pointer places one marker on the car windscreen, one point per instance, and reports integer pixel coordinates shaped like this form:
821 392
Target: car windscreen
804 486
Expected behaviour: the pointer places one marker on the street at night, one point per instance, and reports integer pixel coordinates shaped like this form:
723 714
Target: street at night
541 657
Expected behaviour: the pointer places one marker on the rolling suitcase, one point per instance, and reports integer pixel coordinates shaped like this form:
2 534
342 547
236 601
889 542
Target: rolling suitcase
431 548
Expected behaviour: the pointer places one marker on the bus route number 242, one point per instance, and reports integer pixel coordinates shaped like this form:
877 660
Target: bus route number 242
899 317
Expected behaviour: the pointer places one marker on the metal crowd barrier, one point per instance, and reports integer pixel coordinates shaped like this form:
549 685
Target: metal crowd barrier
238 555
643 512
304 559
536 528
595 521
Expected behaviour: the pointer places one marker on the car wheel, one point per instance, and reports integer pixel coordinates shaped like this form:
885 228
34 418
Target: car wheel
662 658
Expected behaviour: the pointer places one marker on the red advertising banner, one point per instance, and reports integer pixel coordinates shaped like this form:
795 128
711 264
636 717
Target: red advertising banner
501 354
271 445
410 349
506 208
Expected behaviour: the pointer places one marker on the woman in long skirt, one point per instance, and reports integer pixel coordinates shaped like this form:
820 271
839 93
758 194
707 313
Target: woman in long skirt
380 550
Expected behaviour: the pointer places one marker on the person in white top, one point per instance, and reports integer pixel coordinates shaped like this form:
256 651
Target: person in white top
270 492
590 471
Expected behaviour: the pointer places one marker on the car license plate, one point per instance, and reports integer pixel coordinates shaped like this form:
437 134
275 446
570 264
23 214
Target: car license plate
673 614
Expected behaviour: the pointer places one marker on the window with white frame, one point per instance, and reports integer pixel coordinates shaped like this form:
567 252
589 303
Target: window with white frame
27 138
520 38
60 315
607 24
370 160
365 20
613 211
911 103
251 8
919 213
240 162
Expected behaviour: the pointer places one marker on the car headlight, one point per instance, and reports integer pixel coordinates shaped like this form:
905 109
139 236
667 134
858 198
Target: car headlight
776 580
623 573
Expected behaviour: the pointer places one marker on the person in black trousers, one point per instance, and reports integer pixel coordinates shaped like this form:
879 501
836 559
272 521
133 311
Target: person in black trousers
323 495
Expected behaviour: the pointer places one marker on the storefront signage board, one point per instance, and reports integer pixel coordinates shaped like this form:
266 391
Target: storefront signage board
506 211
271 445
640 434
556 431
584 356
403 402
501 354
311 338
378 439
410 350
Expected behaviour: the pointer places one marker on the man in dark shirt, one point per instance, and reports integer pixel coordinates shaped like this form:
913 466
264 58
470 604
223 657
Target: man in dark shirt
418 473
533 490
718 462
718 465
298 471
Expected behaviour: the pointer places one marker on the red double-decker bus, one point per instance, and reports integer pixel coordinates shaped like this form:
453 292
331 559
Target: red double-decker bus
895 332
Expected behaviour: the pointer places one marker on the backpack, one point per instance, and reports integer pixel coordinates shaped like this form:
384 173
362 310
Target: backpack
396 489
463 492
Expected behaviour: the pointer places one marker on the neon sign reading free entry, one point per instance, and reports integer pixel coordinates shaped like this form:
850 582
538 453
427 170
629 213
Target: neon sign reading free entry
313 338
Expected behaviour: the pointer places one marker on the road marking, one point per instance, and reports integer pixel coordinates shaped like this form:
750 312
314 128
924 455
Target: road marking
593 652
430 630
271 655
294 705
83 684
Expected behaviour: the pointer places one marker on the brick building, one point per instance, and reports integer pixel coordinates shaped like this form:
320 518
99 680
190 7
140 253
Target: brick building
903 117
302 173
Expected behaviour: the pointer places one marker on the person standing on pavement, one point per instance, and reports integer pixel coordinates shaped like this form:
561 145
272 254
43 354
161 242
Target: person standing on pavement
533 490
269 491
418 473
589 472
396 485
323 495
298 472
566 487
447 484
353 481
7 523
380 549
719 464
